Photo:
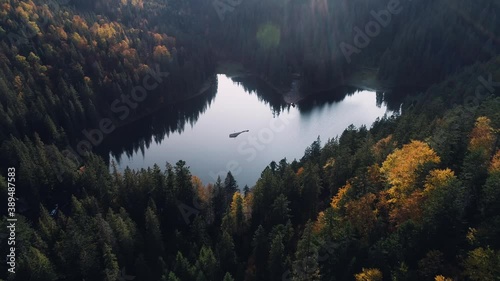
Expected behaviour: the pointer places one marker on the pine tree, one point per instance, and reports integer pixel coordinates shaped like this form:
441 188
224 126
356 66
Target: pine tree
280 212
246 190
226 254
206 265
230 186
111 269
171 277
124 231
182 268
35 263
276 261
260 251
311 189
306 266
228 277
185 190
154 242
219 202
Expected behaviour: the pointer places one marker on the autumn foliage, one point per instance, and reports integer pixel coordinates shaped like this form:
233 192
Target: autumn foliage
401 167
339 200
362 213
369 274
495 163
482 136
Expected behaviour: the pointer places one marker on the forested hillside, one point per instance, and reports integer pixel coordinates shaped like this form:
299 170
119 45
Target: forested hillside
408 43
413 197
62 70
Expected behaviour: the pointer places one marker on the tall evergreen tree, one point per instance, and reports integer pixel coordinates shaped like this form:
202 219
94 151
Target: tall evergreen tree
230 186
306 266
111 269
276 261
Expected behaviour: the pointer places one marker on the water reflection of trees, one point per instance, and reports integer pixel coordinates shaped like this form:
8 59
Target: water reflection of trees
397 96
325 97
270 96
265 93
139 135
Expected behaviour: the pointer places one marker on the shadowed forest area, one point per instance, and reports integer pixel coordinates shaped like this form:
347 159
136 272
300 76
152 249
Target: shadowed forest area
413 197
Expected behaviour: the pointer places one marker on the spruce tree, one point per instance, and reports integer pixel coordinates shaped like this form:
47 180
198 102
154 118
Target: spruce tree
306 266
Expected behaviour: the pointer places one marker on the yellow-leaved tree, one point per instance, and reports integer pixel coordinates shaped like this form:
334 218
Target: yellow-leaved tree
369 274
482 137
237 212
442 278
161 52
437 179
495 163
401 167
339 200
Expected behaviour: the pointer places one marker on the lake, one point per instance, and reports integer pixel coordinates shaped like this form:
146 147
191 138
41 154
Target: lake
198 131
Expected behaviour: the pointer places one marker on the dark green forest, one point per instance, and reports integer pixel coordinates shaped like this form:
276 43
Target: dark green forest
413 197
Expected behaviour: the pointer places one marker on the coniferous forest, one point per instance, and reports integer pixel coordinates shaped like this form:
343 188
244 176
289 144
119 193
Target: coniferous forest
415 196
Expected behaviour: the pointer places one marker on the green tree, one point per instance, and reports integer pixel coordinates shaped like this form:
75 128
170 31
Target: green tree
185 190
35 264
276 261
311 189
218 201
230 186
482 264
228 277
246 190
172 277
306 266
206 265
280 212
226 254
153 236
260 251
111 269
183 269
490 193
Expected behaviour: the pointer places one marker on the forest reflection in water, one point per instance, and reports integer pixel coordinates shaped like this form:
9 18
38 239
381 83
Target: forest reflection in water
197 130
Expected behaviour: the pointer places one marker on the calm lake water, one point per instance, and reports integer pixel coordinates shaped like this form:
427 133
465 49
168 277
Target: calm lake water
201 136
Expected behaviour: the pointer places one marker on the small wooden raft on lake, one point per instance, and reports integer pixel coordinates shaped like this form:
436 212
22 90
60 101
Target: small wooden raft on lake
233 135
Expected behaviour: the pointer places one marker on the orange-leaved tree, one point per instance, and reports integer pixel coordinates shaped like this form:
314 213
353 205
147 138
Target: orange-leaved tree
369 274
402 166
